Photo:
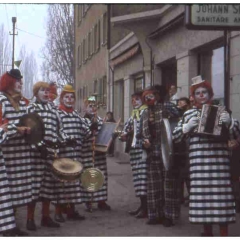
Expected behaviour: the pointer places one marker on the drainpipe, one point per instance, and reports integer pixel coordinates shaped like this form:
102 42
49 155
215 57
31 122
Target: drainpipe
151 61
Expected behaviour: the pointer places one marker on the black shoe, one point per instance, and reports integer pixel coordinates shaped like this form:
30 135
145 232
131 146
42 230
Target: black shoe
75 216
88 207
103 206
59 218
31 226
48 222
134 212
153 221
9 233
167 222
142 214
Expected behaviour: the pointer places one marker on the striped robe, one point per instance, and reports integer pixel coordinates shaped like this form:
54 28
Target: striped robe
100 163
16 154
44 184
211 195
7 218
137 158
163 186
75 127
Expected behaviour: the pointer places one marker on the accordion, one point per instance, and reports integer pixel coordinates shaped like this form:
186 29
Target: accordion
209 120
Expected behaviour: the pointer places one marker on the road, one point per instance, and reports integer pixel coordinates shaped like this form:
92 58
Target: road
117 222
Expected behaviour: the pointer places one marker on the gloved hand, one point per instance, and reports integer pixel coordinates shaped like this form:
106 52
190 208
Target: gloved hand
187 127
225 118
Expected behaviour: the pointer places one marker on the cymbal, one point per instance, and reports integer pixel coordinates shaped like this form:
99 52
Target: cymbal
92 179
35 122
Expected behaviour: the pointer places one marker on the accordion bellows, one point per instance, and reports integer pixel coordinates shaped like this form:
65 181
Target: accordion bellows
209 122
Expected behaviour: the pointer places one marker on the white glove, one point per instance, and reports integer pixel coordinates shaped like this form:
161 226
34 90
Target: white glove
225 118
187 127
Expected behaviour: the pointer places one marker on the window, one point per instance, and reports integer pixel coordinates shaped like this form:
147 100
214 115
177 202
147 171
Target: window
211 68
79 14
79 56
104 90
89 44
85 8
84 50
138 84
95 87
92 41
96 30
104 29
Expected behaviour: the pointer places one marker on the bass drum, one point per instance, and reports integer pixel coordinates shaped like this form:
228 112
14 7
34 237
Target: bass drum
66 170
171 153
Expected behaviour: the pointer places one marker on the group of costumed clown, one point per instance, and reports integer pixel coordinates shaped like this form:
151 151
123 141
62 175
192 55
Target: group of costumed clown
211 198
26 176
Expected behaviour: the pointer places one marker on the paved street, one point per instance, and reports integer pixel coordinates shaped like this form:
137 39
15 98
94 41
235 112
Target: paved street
118 222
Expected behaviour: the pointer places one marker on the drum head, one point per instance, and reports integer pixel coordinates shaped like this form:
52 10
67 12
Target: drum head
92 179
33 121
67 166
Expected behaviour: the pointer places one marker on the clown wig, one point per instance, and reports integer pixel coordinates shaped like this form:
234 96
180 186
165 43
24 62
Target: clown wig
7 82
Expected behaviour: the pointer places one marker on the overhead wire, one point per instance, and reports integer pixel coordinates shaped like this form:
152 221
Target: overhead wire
29 33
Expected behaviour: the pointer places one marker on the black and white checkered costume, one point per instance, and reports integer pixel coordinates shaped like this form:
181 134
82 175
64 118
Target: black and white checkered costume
163 186
44 184
137 158
7 218
100 163
76 128
16 154
211 196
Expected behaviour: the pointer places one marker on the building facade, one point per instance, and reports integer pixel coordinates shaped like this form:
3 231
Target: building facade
150 44
90 50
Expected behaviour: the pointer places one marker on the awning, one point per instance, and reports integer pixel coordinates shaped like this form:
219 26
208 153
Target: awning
125 56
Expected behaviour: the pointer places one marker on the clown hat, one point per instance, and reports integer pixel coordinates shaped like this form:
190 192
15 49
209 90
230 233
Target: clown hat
68 88
197 80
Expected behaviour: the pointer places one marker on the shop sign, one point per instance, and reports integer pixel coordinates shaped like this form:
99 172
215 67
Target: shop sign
213 16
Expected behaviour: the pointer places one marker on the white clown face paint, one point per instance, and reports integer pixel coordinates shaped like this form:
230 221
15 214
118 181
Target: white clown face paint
68 100
43 95
136 102
18 86
201 95
91 108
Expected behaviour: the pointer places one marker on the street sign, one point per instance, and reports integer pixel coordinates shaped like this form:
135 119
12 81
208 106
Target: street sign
212 16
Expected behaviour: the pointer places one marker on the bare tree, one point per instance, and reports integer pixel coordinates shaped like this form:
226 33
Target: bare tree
58 50
5 51
29 71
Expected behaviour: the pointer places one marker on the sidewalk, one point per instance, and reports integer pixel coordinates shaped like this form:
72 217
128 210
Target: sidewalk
117 222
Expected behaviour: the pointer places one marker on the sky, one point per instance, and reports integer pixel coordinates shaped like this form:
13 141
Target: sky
31 21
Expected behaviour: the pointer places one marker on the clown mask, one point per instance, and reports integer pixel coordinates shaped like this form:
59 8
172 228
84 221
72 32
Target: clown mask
150 99
91 108
201 95
43 95
68 100
18 86
136 102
